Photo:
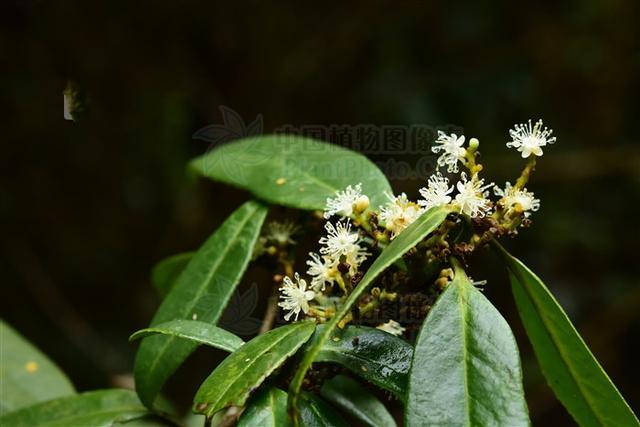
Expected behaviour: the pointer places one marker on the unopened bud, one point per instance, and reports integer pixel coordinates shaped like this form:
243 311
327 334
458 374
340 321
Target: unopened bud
474 143
447 273
361 204
442 282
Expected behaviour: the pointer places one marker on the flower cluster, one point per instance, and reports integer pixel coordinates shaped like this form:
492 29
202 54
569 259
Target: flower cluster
339 258
344 247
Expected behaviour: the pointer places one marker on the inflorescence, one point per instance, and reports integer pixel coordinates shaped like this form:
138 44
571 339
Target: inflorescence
361 229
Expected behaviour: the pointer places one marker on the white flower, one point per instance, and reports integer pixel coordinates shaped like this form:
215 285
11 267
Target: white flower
295 296
398 213
392 327
436 193
355 257
452 150
472 197
281 232
512 196
322 271
339 240
342 204
530 140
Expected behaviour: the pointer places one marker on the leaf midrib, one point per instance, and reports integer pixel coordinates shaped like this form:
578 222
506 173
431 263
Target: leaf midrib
272 404
253 361
549 332
191 337
464 313
283 163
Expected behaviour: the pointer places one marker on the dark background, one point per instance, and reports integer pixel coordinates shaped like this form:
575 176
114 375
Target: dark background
88 207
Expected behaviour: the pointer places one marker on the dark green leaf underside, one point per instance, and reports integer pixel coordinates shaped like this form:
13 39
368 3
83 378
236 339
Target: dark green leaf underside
377 356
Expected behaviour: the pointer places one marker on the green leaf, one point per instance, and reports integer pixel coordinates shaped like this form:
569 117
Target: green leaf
151 421
194 330
571 370
268 408
406 240
245 369
26 375
292 170
466 367
201 292
166 272
377 356
94 408
314 412
356 400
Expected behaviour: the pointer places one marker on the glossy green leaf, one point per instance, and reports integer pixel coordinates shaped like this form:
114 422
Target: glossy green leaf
314 412
357 401
571 370
377 356
268 408
245 369
94 408
194 330
466 367
201 292
417 231
26 375
292 170
166 272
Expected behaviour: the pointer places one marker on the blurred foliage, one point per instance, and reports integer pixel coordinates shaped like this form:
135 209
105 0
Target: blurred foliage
87 207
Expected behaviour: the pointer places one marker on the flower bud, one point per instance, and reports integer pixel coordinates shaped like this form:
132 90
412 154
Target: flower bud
474 143
361 204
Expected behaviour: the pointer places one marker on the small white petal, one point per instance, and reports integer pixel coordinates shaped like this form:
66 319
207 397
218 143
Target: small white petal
451 149
437 192
295 297
342 203
281 232
340 240
398 213
322 271
529 139
392 327
472 196
511 196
